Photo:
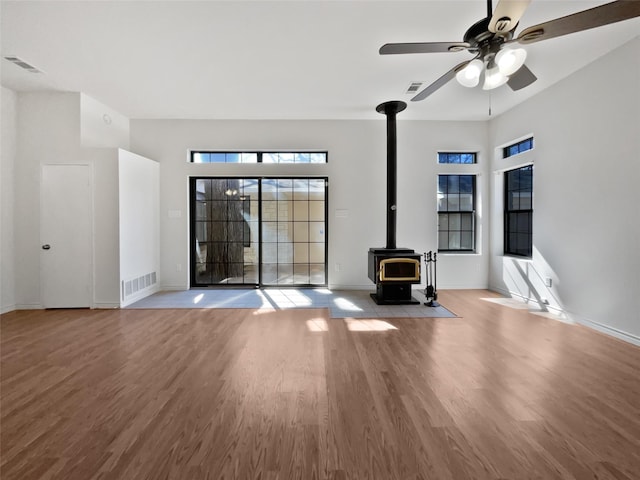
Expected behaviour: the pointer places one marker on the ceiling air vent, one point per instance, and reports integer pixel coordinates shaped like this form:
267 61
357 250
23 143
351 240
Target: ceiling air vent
22 64
414 87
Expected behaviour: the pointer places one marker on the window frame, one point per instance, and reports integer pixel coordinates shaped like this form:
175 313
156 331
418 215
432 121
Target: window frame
474 155
523 146
471 213
259 156
508 249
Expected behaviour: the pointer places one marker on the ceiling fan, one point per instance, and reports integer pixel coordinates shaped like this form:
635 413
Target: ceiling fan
492 40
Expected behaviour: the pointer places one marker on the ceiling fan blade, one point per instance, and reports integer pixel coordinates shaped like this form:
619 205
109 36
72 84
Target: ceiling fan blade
423 47
507 15
522 78
594 17
440 82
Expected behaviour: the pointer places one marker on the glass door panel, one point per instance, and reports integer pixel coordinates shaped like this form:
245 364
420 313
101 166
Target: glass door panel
296 208
225 234
252 231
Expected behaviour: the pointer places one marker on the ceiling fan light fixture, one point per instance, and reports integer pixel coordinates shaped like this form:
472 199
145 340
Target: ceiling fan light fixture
493 78
509 60
469 76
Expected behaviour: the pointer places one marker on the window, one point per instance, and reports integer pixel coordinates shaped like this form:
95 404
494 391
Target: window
517 148
518 212
258 157
456 157
223 157
456 213
271 157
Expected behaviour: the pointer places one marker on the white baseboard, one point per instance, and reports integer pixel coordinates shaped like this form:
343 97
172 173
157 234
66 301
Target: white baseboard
105 305
461 287
339 286
574 318
29 306
7 309
606 329
372 286
174 288
552 309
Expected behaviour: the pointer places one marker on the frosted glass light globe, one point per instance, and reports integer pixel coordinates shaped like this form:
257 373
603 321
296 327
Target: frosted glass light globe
469 76
509 60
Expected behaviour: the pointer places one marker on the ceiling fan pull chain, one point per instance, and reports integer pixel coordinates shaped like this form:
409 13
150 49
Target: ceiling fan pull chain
489 103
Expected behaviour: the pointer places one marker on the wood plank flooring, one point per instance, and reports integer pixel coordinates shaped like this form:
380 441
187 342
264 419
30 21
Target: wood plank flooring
195 394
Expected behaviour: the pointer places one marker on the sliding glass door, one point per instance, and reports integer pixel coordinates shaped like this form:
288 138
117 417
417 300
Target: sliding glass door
258 231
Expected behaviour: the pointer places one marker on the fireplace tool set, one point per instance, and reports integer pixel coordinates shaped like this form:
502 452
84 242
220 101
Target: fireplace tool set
430 271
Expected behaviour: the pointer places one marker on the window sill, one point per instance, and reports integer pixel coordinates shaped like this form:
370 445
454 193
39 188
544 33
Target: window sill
448 253
517 257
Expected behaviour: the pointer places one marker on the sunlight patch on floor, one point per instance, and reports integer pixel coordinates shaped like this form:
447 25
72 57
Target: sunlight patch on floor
357 325
560 316
515 303
344 304
317 325
197 298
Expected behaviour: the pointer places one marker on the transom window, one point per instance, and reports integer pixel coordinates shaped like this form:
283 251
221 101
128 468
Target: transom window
518 212
456 212
517 148
258 157
457 157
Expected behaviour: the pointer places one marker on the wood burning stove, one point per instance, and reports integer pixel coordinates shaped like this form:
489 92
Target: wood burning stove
393 269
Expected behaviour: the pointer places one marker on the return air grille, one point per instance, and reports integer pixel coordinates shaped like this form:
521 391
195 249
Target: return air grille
22 64
414 87
134 285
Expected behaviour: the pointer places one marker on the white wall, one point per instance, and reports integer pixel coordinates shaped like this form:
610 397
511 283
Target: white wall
8 121
356 171
102 126
65 128
102 132
48 132
586 176
139 200
106 229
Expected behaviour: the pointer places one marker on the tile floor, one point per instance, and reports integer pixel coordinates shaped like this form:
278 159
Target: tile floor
341 303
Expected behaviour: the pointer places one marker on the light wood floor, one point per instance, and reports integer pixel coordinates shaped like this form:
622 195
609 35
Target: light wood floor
236 394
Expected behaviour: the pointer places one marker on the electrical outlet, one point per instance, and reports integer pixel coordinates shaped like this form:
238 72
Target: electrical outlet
338 266
547 282
178 267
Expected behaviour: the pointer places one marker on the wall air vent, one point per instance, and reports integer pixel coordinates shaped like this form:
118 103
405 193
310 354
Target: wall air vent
414 87
22 64
132 286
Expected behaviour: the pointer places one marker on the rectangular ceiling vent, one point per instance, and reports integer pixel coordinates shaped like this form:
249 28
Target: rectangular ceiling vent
414 87
22 64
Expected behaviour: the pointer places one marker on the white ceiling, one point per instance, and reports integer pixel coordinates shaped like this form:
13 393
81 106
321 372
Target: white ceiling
274 60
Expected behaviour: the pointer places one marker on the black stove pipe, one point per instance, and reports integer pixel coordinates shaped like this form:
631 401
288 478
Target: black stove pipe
390 109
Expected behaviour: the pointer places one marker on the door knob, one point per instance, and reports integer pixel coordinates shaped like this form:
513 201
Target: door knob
46 246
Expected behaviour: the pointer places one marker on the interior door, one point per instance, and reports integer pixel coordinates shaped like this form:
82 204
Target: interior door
65 234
